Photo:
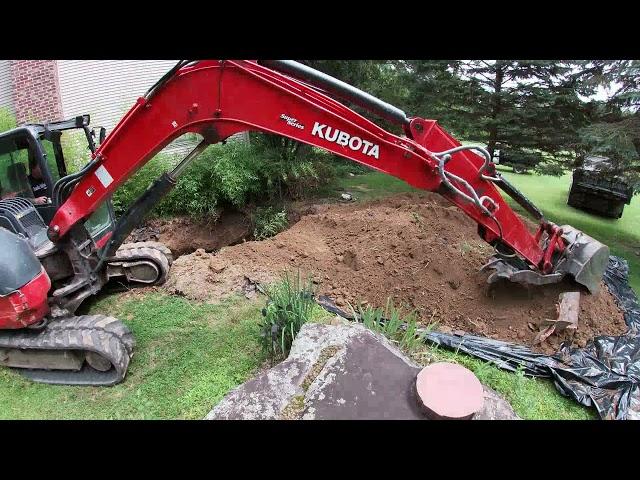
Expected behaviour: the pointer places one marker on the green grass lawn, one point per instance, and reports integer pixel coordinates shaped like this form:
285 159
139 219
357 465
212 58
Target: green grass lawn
531 398
187 357
367 186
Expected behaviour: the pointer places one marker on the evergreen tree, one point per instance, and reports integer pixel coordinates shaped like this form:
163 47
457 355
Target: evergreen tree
528 107
431 89
615 133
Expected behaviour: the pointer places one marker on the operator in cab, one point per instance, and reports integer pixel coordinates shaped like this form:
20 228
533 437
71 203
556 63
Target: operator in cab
38 185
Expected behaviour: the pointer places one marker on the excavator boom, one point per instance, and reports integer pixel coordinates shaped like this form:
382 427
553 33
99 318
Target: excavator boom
220 98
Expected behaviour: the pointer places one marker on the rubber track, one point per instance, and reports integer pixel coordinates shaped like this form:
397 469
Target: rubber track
153 251
155 245
101 334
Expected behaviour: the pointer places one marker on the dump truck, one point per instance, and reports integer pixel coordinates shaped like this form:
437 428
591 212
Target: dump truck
599 188
519 161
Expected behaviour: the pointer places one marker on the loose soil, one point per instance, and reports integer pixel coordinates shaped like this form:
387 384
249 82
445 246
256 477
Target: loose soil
416 249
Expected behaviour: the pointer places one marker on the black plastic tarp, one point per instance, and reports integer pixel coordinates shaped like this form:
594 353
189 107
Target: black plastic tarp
605 374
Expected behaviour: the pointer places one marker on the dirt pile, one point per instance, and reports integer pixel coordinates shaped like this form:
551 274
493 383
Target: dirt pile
414 248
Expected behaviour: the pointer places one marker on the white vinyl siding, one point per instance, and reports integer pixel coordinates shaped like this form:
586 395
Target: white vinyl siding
106 89
6 90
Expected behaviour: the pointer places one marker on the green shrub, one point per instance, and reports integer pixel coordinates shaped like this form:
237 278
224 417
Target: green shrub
237 174
75 150
236 170
288 167
290 305
269 222
140 181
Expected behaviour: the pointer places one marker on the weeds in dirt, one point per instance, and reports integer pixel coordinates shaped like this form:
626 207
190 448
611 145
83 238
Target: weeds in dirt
269 222
418 220
390 322
290 305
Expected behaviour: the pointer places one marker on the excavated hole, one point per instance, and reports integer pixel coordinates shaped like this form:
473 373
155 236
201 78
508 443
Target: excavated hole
184 235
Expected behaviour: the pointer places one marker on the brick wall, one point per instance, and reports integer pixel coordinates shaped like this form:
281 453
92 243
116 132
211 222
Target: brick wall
36 91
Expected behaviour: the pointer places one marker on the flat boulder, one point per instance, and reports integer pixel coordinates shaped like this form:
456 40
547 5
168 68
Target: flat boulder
335 372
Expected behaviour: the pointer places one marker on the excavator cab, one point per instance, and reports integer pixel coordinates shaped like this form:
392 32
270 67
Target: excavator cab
32 161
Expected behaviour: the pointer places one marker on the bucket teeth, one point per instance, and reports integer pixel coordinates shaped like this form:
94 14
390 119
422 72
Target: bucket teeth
501 269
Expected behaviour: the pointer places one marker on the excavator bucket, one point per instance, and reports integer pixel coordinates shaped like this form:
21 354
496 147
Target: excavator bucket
585 259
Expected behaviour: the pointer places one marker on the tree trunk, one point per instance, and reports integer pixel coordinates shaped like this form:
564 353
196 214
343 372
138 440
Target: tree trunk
496 105
636 138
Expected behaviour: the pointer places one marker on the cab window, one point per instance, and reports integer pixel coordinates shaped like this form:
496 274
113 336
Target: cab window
50 156
14 172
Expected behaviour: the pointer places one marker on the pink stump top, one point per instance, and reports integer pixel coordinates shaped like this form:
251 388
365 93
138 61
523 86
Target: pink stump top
449 391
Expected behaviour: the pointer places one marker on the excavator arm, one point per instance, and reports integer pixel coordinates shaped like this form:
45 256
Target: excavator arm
220 98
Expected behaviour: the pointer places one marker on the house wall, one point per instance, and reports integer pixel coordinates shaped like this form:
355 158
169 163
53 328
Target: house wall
49 90
106 89
36 92
6 86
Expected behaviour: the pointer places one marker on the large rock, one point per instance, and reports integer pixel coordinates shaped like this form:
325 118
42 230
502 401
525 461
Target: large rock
338 372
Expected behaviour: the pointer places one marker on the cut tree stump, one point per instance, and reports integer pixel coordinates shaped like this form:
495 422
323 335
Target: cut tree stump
568 310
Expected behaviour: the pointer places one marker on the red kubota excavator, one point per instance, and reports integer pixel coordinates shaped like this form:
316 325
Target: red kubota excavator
56 253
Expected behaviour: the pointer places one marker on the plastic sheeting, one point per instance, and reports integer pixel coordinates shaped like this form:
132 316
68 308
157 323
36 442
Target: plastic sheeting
616 276
605 374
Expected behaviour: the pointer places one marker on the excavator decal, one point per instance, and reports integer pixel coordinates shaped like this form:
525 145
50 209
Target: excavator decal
293 122
332 134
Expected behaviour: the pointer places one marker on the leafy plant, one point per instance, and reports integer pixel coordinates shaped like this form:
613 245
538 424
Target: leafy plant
290 306
75 150
390 322
236 174
269 222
